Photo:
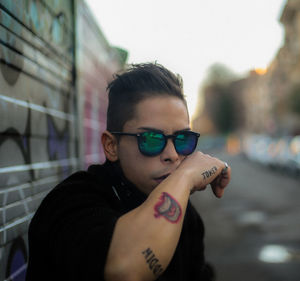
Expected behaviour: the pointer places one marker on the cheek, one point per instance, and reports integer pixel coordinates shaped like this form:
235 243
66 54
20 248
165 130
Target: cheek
131 161
127 149
136 172
138 168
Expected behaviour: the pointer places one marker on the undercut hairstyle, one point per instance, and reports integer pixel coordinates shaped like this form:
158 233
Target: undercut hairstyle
136 83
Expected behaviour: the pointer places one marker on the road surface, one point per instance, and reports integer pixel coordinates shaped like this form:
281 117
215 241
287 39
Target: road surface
253 232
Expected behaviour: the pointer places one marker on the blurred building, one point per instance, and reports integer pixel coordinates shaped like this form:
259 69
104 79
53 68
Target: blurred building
284 72
263 100
267 96
257 104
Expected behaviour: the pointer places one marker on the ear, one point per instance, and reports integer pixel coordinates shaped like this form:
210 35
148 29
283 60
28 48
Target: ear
110 146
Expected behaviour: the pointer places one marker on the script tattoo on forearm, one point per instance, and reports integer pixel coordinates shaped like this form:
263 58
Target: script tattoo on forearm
168 207
152 262
209 173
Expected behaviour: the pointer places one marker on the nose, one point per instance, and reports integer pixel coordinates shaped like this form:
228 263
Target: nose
169 154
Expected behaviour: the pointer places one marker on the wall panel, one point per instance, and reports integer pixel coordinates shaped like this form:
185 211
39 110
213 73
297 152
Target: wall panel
50 123
37 116
96 61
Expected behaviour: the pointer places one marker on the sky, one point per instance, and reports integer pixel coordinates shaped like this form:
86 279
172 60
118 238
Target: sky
191 35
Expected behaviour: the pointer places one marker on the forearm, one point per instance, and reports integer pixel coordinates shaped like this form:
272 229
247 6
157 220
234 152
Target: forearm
144 240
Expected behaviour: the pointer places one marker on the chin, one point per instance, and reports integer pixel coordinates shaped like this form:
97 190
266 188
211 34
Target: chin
148 190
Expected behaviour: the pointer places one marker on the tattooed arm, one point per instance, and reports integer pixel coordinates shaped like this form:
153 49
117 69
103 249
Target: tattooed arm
145 239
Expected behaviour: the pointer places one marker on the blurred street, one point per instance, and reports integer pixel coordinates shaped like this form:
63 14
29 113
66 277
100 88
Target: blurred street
253 232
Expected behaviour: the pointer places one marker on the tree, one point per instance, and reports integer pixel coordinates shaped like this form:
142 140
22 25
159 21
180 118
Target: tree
219 98
219 74
294 99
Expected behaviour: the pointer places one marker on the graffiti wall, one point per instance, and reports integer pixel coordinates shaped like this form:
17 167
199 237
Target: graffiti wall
50 122
37 136
96 61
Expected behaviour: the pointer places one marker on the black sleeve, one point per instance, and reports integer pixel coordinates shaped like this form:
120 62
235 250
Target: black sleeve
81 245
70 234
199 269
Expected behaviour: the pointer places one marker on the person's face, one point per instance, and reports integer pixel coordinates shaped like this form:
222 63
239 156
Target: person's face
164 113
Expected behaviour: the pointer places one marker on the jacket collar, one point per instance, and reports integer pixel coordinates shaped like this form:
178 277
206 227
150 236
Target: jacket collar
128 195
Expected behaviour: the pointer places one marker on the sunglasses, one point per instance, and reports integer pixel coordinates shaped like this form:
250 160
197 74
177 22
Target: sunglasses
153 143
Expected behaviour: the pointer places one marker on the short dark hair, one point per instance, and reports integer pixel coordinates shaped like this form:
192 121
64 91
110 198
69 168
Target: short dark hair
136 83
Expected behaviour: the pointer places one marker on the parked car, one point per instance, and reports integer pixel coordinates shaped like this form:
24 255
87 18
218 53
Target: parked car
282 153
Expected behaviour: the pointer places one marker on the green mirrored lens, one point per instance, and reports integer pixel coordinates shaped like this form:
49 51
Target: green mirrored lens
151 143
185 143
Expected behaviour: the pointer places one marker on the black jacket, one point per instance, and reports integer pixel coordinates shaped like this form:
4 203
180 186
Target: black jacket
70 234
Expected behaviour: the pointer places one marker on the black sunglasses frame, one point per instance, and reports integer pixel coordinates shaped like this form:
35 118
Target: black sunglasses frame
166 137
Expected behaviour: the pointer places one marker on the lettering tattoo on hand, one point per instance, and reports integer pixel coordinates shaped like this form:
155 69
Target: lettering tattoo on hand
209 173
168 207
152 262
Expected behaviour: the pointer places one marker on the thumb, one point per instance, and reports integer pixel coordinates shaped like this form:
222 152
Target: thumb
220 182
218 191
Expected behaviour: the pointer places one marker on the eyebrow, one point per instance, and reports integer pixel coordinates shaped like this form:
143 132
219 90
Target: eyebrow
161 131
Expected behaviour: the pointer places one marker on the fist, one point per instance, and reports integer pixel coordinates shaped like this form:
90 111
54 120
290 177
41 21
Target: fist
203 169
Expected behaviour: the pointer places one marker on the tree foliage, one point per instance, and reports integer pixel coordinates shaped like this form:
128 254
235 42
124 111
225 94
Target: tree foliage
294 99
219 74
219 100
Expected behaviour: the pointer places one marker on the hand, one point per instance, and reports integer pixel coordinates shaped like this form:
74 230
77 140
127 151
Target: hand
220 182
203 169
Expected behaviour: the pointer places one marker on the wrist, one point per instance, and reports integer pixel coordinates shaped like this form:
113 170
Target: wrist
184 178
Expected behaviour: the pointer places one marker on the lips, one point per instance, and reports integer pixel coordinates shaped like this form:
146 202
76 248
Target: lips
161 178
